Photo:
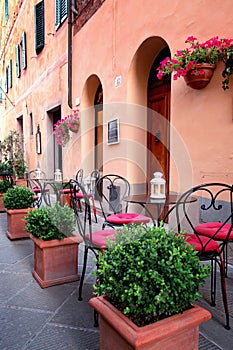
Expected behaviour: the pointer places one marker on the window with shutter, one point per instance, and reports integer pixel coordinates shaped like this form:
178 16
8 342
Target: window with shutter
61 12
6 81
39 27
17 54
6 11
10 73
24 51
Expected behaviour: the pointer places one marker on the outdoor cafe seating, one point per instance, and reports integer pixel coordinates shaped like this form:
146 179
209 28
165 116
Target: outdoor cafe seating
112 190
207 224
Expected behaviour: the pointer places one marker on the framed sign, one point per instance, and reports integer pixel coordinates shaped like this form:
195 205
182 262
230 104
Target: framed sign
113 132
38 140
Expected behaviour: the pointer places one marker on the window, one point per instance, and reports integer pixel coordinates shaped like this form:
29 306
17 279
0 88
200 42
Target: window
39 27
17 54
7 79
24 51
61 12
10 74
6 11
31 124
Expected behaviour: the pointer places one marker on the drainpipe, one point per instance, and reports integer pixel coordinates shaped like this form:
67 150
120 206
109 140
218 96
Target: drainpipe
71 9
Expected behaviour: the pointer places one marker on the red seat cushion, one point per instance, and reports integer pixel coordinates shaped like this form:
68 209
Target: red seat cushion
209 245
99 238
209 228
127 218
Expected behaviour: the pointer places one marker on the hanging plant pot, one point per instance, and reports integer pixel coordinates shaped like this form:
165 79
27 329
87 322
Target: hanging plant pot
201 80
74 128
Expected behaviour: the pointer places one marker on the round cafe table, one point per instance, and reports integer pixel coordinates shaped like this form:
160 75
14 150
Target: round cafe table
161 204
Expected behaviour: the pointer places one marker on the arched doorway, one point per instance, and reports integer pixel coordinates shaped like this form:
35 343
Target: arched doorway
158 121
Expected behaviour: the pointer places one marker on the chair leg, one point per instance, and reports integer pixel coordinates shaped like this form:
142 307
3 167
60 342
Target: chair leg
83 274
224 293
213 282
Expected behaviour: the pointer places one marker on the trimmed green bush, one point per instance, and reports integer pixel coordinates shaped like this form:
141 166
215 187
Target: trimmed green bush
49 223
4 186
18 198
149 273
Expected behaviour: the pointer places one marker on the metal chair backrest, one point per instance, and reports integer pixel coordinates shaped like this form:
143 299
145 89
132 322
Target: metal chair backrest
83 217
111 190
214 204
79 176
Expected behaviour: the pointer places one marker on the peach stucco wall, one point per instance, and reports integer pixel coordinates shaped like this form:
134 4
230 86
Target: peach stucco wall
202 119
122 39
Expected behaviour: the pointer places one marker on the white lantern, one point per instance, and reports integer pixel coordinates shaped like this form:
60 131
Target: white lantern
158 185
58 175
38 174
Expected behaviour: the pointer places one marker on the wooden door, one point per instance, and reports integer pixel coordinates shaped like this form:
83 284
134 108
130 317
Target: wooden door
158 134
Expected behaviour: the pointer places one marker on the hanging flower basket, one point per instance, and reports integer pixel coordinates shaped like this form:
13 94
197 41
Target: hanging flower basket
186 62
61 128
201 76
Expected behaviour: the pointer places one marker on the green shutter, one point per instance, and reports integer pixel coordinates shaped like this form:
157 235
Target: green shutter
10 74
17 54
24 51
61 12
39 27
6 81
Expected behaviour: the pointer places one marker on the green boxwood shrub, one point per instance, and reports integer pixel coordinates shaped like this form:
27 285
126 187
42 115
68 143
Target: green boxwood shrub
4 186
149 273
49 223
18 198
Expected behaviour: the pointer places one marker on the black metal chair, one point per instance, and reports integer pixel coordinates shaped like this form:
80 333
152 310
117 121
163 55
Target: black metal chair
210 198
111 190
33 182
93 240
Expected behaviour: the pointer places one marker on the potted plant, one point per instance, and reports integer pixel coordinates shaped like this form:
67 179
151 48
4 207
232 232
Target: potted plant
197 62
12 152
55 245
62 127
17 201
4 186
147 282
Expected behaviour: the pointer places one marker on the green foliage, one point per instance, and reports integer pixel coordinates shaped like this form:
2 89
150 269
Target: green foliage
18 198
48 223
11 150
150 273
4 186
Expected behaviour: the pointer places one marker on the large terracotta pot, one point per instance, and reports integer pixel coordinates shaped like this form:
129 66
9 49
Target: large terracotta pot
16 224
21 182
180 332
200 81
55 261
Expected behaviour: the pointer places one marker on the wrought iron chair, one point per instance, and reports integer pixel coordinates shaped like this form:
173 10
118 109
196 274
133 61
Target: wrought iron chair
93 240
111 190
33 182
209 198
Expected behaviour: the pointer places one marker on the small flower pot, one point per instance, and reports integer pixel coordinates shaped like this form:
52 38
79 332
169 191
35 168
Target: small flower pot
74 128
201 80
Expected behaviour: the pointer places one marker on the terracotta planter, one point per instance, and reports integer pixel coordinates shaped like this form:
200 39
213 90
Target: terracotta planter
21 182
55 261
2 208
200 81
74 128
16 224
177 332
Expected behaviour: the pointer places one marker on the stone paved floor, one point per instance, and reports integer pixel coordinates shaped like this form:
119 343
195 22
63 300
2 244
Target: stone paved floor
32 318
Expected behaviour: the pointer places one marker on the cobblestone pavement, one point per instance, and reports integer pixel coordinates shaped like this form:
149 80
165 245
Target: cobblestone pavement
32 318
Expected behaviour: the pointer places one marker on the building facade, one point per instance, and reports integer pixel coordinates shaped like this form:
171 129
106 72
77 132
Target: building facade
100 57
